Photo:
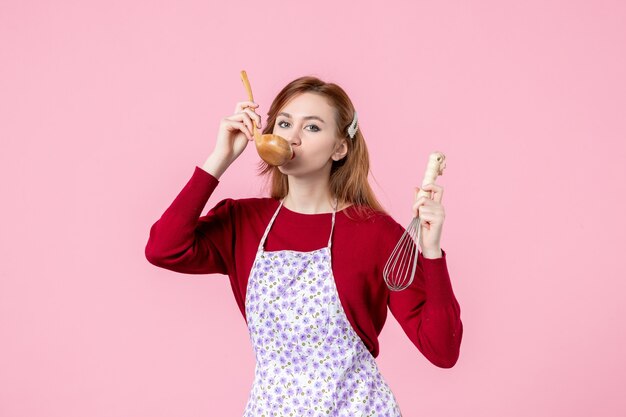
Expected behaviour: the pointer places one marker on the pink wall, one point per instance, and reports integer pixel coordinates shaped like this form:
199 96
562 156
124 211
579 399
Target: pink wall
106 108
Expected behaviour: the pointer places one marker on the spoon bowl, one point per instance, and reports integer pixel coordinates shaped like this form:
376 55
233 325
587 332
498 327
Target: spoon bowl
273 149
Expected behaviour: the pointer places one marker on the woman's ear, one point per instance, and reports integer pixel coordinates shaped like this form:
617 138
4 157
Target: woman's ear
340 151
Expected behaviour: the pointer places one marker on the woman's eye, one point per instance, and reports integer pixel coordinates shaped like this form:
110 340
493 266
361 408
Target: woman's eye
282 124
317 129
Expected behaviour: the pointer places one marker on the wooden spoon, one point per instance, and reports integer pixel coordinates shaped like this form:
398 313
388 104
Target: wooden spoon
273 149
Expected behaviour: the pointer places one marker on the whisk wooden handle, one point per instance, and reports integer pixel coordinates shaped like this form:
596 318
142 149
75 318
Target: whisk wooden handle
436 165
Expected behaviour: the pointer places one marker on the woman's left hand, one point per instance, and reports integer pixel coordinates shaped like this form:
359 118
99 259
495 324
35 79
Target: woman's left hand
432 215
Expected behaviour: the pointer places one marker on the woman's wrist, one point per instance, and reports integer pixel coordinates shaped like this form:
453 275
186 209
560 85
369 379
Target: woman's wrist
432 253
216 165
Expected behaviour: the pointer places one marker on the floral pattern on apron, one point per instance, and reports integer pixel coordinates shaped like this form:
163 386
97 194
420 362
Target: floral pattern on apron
309 359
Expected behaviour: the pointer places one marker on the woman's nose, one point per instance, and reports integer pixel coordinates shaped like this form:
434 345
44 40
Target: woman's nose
295 138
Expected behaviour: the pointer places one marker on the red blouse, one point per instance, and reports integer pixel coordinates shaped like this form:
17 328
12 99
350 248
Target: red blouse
225 241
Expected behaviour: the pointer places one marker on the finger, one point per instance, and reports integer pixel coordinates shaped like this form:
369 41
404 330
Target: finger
241 126
431 206
422 201
240 106
424 223
433 219
254 117
428 218
431 216
237 125
244 118
433 209
420 205
243 104
425 214
424 192
436 191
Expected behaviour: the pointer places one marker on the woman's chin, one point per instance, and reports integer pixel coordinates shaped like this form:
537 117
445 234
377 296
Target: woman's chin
285 168
291 168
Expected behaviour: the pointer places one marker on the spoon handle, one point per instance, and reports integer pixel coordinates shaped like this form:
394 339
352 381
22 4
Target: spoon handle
246 83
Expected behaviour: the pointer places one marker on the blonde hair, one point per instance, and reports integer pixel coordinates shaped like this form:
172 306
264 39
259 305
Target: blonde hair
348 176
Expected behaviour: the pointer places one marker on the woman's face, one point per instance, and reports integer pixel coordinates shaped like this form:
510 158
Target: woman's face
308 123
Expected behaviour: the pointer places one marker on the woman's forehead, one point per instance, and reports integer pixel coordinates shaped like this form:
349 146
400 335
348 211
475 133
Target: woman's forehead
308 104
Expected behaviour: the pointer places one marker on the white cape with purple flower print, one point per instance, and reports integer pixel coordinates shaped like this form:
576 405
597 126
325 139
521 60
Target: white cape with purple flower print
309 359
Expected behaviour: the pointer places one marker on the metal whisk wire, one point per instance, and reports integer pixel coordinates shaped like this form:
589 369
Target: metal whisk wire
400 268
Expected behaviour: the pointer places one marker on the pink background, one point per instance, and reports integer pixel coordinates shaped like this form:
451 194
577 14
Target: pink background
107 106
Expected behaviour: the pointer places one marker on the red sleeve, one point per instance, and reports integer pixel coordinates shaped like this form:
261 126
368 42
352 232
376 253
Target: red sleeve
182 241
429 313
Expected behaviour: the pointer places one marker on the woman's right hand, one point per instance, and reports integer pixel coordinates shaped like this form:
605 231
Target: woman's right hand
235 131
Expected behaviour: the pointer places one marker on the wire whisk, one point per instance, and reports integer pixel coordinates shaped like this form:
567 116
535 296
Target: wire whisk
399 270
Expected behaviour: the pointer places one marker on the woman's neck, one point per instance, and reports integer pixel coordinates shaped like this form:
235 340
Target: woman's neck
309 196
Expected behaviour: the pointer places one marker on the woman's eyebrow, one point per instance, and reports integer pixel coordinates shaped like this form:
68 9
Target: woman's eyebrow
304 118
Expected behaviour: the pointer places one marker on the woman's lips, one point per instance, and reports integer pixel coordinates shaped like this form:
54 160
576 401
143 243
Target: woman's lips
293 154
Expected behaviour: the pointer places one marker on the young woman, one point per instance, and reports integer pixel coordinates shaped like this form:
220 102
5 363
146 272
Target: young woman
305 264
